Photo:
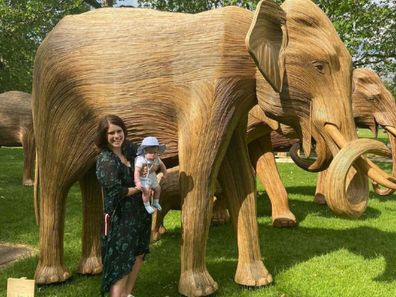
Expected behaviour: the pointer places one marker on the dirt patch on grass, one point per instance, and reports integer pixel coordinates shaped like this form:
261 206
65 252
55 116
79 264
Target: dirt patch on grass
10 253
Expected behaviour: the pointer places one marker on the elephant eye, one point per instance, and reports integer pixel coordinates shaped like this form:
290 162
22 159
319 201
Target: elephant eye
374 98
319 66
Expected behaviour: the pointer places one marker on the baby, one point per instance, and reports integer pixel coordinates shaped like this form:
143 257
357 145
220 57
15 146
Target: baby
147 157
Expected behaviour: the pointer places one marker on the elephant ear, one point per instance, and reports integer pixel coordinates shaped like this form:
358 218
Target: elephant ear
266 41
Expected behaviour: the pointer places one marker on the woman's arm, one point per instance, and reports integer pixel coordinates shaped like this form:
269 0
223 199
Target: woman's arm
132 191
107 172
136 176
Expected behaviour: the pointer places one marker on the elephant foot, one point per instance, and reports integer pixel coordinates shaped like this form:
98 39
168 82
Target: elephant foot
284 220
28 183
319 198
253 274
90 265
199 283
51 274
220 217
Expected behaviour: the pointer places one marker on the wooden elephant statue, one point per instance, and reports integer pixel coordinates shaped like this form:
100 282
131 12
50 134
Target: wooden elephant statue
16 129
190 81
373 107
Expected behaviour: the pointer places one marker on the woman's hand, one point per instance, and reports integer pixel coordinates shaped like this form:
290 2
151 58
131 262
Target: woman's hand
133 190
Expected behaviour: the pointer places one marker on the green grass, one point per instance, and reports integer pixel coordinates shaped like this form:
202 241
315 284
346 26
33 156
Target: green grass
324 256
367 133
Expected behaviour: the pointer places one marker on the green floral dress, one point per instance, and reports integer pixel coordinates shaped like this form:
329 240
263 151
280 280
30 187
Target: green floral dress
129 235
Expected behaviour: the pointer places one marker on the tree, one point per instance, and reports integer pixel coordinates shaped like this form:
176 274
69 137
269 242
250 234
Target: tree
368 29
23 25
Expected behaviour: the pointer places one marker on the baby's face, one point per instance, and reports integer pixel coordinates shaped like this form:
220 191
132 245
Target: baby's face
150 153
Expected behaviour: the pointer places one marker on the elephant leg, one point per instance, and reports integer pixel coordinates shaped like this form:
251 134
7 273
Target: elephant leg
197 207
204 134
319 193
91 262
263 159
51 267
238 185
58 169
29 156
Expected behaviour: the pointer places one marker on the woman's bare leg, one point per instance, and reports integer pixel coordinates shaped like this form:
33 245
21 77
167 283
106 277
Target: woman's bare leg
118 289
130 283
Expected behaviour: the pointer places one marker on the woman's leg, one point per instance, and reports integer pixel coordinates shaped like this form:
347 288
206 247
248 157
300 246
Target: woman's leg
130 283
118 289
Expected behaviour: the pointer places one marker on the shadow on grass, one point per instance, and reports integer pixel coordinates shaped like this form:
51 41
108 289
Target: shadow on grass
302 208
364 241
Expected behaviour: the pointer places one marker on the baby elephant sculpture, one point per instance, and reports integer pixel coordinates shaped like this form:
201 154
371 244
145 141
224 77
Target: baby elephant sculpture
194 73
16 128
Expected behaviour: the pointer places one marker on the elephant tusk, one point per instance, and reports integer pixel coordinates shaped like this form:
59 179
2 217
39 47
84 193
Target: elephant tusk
391 130
392 141
373 171
336 135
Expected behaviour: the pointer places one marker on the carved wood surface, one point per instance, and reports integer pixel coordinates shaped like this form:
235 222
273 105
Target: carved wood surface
16 128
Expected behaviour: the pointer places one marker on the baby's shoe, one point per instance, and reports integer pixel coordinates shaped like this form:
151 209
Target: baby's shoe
148 208
156 204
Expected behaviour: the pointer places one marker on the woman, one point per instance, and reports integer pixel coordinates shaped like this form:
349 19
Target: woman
126 239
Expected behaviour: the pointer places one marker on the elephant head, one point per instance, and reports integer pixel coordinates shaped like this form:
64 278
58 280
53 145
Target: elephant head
374 105
300 55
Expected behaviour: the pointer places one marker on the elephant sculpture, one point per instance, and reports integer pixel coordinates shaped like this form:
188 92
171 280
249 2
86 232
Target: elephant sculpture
16 129
260 129
373 106
194 73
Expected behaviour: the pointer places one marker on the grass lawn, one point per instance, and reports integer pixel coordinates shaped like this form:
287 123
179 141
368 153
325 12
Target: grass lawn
324 256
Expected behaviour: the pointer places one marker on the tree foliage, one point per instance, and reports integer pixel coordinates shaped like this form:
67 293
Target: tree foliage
23 25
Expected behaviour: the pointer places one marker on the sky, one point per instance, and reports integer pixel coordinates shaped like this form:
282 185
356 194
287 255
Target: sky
128 2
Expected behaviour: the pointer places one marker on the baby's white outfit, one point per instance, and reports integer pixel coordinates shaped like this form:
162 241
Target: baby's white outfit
148 180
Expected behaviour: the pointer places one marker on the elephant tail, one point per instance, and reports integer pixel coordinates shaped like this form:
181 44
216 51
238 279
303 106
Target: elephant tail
35 192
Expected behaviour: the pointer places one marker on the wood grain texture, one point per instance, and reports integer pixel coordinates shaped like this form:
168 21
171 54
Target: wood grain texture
16 129
186 79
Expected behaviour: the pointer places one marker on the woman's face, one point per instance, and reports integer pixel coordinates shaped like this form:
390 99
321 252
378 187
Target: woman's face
115 136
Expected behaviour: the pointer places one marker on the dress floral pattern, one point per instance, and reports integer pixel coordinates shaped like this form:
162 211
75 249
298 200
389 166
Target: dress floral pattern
129 235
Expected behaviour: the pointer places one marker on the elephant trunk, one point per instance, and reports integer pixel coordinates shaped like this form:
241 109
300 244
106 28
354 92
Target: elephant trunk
346 186
391 131
321 163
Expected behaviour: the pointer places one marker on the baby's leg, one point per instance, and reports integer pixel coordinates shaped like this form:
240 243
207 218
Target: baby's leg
157 192
146 194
